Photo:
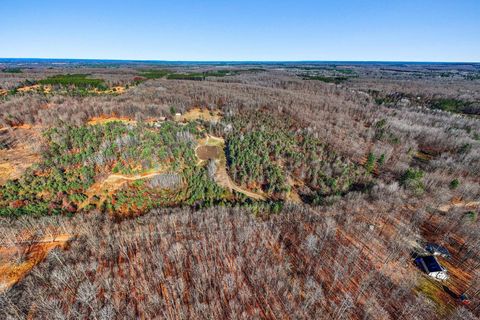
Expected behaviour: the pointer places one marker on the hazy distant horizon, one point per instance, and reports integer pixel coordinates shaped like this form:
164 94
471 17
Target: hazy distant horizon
66 60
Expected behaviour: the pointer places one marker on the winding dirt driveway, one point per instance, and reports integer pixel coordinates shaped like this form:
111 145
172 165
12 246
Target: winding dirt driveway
221 176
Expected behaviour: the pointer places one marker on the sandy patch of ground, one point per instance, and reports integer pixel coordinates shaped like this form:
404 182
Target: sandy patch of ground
22 153
105 119
30 254
206 150
3 92
36 87
24 89
460 204
292 195
14 162
200 114
112 90
108 187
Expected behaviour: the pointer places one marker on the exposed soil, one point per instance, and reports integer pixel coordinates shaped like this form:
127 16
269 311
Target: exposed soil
14 161
30 254
459 204
208 152
35 87
110 185
19 155
200 114
214 146
105 119
293 195
113 90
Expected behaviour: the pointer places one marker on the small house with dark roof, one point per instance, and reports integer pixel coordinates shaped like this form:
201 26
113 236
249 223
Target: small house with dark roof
431 266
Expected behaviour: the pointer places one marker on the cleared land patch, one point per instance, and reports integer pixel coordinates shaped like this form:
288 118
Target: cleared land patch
212 148
106 119
201 114
18 157
459 204
208 152
14 162
28 254
110 185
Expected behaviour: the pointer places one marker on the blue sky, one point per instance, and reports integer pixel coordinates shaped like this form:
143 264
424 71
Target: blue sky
392 30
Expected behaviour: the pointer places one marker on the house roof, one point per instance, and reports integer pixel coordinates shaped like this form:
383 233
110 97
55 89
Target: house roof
432 247
432 264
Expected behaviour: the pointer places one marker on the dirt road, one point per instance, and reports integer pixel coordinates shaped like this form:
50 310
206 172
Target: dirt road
221 176
111 184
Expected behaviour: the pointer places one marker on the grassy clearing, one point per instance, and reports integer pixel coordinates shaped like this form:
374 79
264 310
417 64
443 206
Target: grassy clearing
434 291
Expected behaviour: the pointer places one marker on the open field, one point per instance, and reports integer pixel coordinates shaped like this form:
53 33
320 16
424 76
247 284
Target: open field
270 191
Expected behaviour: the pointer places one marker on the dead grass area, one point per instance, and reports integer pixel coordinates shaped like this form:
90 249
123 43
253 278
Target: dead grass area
27 255
106 119
434 291
200 114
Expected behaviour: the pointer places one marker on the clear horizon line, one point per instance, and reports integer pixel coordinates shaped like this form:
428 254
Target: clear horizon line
242 61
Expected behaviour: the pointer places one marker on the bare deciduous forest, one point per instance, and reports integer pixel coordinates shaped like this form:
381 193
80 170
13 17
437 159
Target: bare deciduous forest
239 191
